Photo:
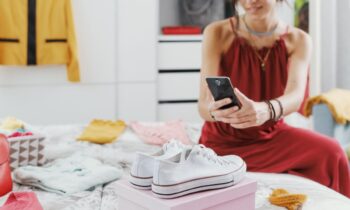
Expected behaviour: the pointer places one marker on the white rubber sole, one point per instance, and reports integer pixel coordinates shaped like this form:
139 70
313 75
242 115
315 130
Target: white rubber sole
209 183
143 183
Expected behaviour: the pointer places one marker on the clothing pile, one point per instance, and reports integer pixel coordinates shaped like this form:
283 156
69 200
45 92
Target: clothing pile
26 145
12 127
106 131
67 175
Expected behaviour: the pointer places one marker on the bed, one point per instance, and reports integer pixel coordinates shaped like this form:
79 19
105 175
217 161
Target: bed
60 142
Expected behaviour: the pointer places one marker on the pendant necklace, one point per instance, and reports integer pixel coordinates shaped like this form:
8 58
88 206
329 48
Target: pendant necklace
260 34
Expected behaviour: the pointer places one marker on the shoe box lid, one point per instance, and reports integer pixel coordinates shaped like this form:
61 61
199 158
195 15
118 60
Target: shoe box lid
144 199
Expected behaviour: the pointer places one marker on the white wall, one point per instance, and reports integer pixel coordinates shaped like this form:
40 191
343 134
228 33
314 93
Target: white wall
137 23
334 45
329 45
343 44
315 33
42 95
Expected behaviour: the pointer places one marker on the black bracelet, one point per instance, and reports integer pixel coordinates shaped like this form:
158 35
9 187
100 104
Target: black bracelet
281 109
273 111
269 106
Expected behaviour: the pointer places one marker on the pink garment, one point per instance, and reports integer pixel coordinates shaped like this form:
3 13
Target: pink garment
159 134
22 201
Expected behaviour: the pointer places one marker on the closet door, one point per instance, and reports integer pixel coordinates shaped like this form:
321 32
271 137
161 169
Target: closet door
137 33
137 26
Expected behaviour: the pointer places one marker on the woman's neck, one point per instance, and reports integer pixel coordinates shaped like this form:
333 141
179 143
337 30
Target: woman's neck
263 24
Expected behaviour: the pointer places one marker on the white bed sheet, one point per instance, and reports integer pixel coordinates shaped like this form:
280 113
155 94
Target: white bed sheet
60 142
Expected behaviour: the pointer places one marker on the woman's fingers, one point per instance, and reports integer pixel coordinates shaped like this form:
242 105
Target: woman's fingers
224 113
238 120
244 125
244 100
215 105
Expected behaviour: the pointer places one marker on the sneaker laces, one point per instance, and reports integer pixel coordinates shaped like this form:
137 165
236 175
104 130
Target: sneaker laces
210 155
171 144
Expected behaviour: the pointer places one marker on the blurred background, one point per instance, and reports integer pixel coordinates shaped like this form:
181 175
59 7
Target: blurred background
135 66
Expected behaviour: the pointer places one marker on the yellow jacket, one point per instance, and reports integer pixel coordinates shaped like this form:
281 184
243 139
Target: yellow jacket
38 32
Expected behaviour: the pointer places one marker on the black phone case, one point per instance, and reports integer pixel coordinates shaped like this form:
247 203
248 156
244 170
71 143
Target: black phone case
220 88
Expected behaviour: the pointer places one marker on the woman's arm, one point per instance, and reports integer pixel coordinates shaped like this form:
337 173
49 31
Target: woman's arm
299 62
211 55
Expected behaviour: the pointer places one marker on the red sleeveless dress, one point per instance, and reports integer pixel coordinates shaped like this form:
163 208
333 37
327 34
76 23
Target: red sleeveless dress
274 146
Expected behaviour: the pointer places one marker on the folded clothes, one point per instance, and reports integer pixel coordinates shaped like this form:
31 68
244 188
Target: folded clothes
160 134
18 134
102 131
22 201
68 175
11 123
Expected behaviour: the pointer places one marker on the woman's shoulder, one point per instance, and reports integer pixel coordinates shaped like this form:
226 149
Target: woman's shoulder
297 37
297 34
221 25
219 31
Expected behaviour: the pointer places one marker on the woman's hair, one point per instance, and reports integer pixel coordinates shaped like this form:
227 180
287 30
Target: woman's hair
303 17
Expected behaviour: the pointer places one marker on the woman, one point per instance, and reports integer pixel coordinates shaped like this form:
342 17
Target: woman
267 61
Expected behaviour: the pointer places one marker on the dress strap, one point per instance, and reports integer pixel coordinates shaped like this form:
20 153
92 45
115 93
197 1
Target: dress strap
233 26
285 33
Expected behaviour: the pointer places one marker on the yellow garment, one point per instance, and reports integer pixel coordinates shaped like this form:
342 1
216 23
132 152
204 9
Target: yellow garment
347 150
338 102
38 32
11 124
281 197
102 131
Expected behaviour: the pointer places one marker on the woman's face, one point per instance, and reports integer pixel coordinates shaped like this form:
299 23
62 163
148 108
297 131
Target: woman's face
258 9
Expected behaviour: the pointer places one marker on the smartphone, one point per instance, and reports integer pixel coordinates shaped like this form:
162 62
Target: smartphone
220 88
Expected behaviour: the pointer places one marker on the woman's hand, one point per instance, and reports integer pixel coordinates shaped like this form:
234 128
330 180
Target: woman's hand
251 113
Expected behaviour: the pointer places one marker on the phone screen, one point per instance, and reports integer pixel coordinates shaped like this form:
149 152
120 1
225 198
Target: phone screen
220 88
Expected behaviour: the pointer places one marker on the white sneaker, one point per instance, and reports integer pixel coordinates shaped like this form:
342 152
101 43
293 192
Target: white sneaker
194 170
141 174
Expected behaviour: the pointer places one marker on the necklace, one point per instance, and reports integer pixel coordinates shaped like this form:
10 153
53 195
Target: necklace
262 60
257 33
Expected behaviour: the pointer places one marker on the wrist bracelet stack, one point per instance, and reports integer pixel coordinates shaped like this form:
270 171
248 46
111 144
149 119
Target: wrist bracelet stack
267 102
273 114
281 109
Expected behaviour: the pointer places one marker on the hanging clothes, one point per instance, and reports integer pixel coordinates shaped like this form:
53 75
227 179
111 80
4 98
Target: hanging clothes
35 32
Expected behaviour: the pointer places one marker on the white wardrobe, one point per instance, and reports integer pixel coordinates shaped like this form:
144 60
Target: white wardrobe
158 76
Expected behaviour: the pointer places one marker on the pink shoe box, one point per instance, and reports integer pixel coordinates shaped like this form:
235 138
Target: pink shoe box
239 197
